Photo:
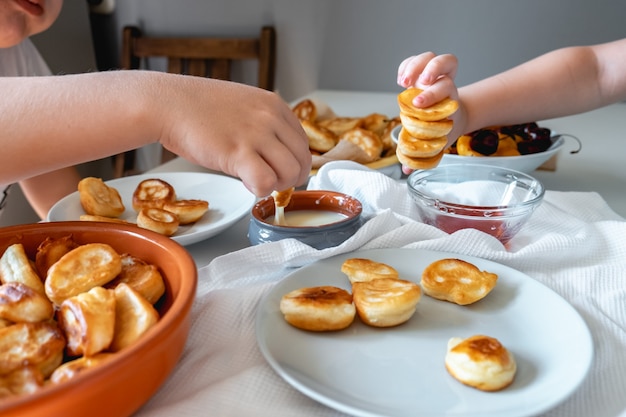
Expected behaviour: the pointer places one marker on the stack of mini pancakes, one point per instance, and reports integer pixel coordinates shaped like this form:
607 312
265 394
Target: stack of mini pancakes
422 139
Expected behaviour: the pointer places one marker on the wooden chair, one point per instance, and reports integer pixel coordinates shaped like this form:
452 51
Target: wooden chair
203 57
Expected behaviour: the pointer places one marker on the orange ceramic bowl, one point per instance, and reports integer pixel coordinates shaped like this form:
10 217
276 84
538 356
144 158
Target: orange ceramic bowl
123 384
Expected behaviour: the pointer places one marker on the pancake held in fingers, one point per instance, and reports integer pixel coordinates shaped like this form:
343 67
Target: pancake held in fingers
438 111
419 163
420 148
425 130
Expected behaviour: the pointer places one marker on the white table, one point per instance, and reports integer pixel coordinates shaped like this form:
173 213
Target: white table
567 248
600 166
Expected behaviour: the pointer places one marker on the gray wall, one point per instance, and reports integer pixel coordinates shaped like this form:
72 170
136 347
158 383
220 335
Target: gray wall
358 44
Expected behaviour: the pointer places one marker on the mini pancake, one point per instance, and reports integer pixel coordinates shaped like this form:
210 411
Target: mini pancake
134 316
94 218
158 220
425 130
99 199
457 281
321 139
305 110
362 269
81 269
187 211
339 125
152 192
385 302
481 362
368 141
88 321
318 309
438 111
420 148
419 163
71 369
141 276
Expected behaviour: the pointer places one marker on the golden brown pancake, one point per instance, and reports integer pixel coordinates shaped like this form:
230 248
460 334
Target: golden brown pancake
481 362
457 281
318 309
362 269
385 302
438 111
420 148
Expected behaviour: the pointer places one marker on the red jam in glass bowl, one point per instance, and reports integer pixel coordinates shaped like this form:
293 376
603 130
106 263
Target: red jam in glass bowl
497 201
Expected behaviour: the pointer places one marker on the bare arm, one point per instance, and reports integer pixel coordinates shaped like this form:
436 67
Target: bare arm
561 82
566 81
44 190
54 122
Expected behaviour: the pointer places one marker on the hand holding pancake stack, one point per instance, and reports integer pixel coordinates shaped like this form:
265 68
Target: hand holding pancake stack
422 139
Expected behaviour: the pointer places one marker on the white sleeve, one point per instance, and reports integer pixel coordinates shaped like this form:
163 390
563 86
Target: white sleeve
22 60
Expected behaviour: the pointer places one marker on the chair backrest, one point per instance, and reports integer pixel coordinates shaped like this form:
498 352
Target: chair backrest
204 57
210 57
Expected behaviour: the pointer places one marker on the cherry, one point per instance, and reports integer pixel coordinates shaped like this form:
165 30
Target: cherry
484 141
540 133
526 147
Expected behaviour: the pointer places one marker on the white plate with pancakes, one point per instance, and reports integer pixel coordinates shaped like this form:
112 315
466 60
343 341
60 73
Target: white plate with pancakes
229 200
398 371
523 163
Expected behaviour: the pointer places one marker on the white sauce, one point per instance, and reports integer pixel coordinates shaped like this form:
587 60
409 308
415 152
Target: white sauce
304 218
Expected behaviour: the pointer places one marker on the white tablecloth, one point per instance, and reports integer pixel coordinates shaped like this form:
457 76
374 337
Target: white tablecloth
574 243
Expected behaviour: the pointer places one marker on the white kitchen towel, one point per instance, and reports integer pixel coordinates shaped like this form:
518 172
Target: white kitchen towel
574 243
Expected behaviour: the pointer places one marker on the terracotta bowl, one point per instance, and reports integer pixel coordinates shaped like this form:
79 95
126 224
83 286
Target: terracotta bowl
262 230
123 384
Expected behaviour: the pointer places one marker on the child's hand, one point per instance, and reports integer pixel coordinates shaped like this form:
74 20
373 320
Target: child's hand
432 73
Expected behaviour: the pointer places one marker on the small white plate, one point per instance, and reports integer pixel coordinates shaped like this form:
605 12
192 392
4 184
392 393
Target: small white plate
229 200
523 163
400 371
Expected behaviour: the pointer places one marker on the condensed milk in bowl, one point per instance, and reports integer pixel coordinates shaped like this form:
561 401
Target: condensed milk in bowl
318 218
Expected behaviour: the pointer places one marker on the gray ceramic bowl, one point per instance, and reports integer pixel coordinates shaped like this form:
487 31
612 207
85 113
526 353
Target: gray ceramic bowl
261 228
495 200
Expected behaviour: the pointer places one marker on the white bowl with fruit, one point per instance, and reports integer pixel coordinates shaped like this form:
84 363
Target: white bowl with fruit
523 147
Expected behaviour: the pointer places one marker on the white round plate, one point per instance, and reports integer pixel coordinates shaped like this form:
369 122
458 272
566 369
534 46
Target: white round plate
365 371
524 163
229 200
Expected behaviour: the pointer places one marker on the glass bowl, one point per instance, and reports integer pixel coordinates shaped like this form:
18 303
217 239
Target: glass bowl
319 218
494 200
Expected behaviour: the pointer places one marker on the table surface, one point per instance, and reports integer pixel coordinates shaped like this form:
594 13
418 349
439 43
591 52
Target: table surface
598 167
566 250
